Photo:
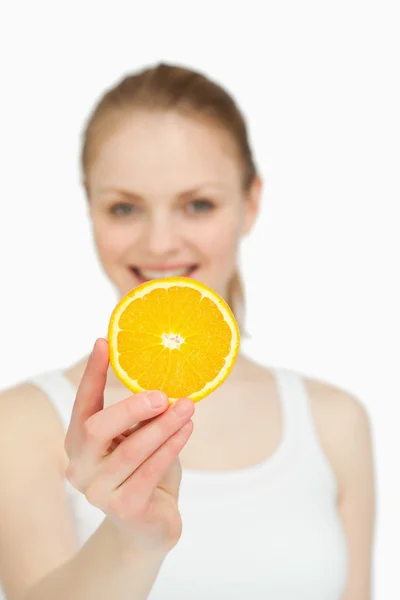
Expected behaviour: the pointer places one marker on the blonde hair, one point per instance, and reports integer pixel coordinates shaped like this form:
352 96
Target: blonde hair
171 87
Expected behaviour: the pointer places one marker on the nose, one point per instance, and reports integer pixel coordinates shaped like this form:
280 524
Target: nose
161 235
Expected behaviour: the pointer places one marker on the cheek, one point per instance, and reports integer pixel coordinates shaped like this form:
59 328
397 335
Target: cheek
111 241
221 239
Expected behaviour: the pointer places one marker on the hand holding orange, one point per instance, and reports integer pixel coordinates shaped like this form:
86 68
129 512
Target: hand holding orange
175 335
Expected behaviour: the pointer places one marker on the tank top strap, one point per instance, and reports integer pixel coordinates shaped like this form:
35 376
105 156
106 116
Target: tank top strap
295 405
300 424
60 392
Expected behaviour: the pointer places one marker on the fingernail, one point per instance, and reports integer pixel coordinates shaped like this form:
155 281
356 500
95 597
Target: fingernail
182 406
156 399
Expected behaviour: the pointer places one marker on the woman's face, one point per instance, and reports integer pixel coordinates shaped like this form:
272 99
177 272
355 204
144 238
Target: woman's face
166 200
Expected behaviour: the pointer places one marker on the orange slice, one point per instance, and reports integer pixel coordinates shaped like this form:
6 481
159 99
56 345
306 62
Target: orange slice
175 335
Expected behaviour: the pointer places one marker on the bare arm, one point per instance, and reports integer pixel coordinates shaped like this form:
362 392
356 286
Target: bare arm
345 433
37 531
135 484
357 499
101 570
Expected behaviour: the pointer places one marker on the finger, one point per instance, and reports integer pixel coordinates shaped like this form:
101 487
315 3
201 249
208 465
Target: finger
99 431
100 434
137 426
138 447
136 492
90 395
125 434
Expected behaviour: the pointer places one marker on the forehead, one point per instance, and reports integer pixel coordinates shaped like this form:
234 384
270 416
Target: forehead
152 152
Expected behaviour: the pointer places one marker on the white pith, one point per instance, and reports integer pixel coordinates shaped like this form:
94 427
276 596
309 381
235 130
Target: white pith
172 341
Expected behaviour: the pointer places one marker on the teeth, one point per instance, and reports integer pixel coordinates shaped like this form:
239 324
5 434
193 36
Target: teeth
163 274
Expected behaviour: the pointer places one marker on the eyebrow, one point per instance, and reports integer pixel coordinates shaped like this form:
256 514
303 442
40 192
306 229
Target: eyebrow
183 195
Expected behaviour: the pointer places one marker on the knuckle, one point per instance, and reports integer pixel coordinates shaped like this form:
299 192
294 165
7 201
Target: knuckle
134 406
175 445
119 507
93 496
127 451
149 472
172 450
67 445
185 432
130 405
128 503
165 425
90 431
72 477
162 429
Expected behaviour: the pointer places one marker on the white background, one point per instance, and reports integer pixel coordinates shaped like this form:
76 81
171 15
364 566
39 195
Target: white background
317 82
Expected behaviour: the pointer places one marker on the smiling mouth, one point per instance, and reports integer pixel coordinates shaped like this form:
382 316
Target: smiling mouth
148 274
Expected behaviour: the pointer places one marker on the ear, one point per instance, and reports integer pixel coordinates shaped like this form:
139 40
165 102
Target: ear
85 186
252 205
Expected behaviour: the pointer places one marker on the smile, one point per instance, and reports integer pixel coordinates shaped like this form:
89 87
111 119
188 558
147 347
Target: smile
148 274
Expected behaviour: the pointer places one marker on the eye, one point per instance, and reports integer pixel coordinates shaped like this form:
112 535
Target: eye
200 206
122 209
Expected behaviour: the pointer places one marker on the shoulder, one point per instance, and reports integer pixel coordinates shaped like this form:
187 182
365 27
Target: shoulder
336 405
344 428
340 409
23 400
32 474
343 425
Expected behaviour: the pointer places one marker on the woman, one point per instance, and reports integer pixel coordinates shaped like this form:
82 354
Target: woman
265 488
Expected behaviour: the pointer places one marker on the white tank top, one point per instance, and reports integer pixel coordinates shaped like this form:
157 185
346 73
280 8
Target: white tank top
268 532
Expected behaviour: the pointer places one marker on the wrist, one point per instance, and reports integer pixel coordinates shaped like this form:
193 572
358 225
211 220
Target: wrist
127 551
